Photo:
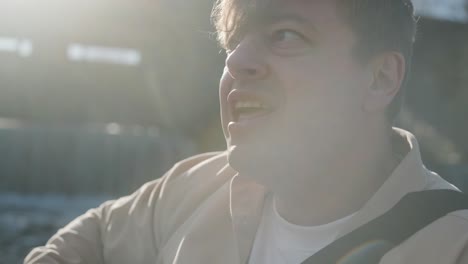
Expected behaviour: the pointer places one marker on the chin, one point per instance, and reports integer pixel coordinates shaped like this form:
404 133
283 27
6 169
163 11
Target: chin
249 162
236 159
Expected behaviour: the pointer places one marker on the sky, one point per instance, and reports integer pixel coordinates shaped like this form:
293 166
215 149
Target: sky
452 10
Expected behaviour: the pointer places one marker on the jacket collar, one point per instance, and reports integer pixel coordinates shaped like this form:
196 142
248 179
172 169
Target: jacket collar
246 203
246 197
409 176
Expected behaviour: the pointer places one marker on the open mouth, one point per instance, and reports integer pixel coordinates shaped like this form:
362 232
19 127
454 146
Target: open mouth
247 109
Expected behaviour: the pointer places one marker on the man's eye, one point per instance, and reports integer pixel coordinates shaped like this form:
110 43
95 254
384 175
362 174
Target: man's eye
285 36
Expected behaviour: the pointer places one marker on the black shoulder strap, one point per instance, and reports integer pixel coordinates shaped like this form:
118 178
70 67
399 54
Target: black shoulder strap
368 243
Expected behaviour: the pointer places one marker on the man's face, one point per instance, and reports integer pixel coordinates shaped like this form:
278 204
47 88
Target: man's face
292 91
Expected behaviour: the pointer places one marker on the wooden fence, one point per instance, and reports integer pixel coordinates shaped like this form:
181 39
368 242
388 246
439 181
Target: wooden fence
103 159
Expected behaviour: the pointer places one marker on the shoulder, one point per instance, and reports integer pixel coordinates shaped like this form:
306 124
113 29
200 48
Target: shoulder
185 177
162 205
202 172
183 171
443 241
186 187
434 181
212 161
460 217
203 167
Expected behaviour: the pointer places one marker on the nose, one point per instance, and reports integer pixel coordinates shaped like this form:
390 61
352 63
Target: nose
246 61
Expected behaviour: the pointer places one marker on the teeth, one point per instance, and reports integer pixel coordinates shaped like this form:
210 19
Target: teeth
249 104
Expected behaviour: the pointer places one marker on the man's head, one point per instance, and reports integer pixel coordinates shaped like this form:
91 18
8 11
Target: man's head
304 79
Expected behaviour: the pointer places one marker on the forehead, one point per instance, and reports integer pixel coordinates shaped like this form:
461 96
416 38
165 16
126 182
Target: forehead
323 14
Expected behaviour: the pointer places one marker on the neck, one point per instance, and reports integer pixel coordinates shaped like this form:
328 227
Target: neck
335 189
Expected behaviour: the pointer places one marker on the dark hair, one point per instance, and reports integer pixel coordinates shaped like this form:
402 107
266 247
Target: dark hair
381 25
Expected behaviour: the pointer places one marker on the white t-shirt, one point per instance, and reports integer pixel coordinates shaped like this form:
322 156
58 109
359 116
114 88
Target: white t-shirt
279 242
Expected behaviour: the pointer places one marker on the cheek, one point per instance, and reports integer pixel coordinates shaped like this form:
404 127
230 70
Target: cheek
225 86
322 88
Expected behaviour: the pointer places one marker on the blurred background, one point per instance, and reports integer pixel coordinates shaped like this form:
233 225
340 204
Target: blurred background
99 96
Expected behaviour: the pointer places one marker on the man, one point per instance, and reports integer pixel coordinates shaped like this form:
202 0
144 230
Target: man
308 96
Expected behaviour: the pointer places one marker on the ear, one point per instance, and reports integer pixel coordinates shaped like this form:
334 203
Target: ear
388 73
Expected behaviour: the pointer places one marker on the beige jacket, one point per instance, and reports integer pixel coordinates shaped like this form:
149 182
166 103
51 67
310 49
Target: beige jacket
200 212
